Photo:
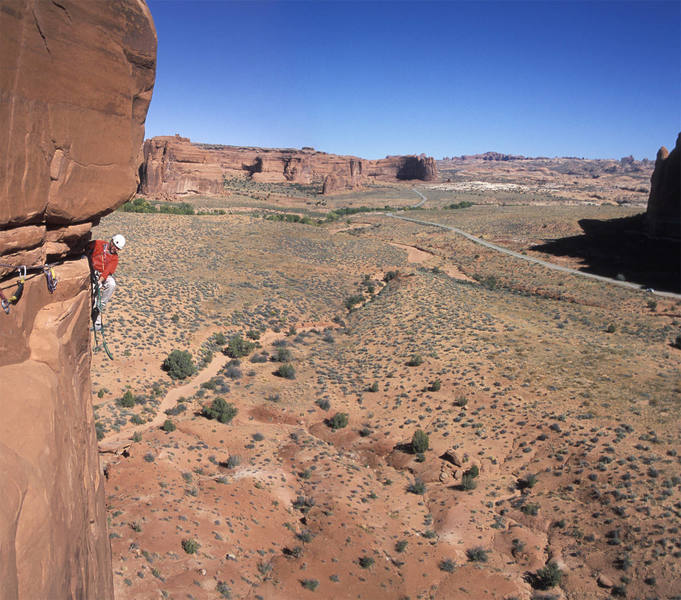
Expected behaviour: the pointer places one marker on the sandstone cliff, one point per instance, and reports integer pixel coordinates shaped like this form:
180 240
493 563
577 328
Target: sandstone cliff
75 85
174 166
663 217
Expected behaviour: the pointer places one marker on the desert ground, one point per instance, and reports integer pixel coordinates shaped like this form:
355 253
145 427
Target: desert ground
550 402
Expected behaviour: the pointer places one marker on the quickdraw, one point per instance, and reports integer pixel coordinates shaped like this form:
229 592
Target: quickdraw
51 278
4 302
20 286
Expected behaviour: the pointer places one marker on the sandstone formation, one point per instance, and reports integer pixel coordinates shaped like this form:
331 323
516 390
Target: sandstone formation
174 166
75 85
663 217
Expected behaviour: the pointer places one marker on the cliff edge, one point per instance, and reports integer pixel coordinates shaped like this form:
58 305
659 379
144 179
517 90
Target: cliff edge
75 85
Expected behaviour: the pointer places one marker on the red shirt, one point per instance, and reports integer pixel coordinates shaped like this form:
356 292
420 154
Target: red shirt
101 259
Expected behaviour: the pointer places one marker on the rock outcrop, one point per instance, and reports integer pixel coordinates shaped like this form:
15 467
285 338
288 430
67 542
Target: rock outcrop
663 217
75 84
174 166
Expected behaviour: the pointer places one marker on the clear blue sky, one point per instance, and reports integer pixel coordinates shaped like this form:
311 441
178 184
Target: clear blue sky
593 79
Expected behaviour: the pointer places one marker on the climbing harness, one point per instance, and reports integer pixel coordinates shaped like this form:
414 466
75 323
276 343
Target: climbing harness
97 312
23 269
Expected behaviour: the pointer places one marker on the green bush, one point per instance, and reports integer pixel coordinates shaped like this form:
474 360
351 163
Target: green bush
468 482
238 347
179 364
417 487
415 360
373 387
220 410
190 546
127 401
419 441
447 565
168 426
547 577
435 386
338 421
138 205
353 301
365 562
286 371
477 554
310 584
474 471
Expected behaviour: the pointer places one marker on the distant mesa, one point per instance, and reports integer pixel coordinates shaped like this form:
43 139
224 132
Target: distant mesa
174 166
663 217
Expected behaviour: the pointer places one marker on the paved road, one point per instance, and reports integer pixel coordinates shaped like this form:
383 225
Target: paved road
548 265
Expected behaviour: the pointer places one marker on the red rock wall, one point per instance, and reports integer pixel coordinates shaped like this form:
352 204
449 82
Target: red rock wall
76 79
173 167
663 217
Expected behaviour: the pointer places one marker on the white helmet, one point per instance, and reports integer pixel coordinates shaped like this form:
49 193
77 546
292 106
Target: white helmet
118 241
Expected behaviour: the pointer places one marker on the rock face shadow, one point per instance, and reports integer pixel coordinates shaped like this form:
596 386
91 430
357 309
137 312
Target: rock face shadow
618 247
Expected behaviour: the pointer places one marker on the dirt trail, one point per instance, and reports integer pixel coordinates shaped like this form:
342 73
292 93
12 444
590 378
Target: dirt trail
120 440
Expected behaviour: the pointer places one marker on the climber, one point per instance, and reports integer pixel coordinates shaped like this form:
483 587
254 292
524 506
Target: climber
103 257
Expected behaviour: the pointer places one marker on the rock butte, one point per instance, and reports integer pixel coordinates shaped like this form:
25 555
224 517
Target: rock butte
73 101
174 166
663 217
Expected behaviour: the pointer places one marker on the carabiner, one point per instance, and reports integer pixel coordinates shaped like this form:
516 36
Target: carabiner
20 286
51 278
4 303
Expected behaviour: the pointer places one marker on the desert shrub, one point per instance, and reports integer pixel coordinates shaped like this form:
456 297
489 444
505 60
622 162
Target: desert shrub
137 420
468 482
282 355
233 461
176 410
373 387
435 386
461 401
546 577
310 584
183 208
168 426
253 334
677 342
258 358
338 421
477 554
474 471
401 546
417 487
138 205
323 403
611 328
223 589
190 546
530 508
390 275
232 370
127 400
238 347
447 565
149 457
353 301
415 360
365 562
528 482
99 429
223 411
286 371
458 205
419 441
179 364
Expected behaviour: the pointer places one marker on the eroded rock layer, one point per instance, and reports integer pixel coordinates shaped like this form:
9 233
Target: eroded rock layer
174 166
663 218
75 84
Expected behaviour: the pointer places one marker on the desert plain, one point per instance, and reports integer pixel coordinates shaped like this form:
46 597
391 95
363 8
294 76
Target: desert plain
548 403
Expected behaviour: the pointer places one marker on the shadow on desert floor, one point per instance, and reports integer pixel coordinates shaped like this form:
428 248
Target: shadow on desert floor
617 247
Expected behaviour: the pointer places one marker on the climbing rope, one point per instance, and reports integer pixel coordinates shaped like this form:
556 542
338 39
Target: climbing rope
50 277
97 312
